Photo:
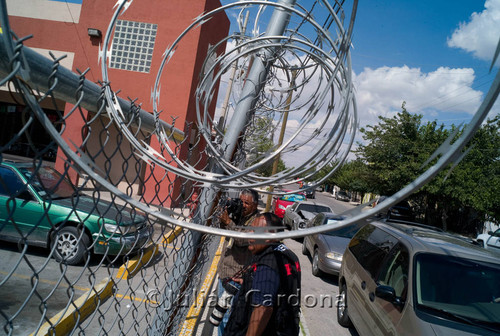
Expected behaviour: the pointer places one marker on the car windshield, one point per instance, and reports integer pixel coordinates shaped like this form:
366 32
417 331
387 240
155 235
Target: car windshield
314 208
293 197
463 289
48 182
347 231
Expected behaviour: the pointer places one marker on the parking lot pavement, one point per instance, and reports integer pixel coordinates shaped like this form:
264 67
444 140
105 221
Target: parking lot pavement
25 289
36 288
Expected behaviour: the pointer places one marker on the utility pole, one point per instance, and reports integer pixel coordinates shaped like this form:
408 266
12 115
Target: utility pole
282 135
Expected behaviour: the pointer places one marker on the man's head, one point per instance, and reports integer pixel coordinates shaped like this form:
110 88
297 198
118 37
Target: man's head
249 199
264 220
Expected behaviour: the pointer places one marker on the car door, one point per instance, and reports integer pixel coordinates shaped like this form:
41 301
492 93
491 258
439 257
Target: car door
23 214
310 239
288 216
494 240
369 247
394 274
295 218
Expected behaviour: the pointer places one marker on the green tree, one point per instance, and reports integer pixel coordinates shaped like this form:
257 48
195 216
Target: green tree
353 176
458 200
395 150
473 187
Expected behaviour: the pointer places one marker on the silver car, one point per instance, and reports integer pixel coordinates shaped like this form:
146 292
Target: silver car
328 248
400 279
299 213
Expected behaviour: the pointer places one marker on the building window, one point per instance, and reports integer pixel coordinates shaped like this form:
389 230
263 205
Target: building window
133 44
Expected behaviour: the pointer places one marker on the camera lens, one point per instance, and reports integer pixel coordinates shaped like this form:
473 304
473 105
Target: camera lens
223 304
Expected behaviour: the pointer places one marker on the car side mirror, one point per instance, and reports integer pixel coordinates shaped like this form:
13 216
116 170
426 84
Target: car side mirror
490 233
388 293
25 195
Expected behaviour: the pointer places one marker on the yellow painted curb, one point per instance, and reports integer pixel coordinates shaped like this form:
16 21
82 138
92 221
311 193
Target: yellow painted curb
86 304
169 238
133 265
195 309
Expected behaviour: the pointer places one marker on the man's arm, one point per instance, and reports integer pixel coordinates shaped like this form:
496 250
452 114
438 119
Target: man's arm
258 320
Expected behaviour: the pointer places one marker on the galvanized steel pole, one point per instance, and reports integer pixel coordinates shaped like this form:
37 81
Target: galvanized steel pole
243 112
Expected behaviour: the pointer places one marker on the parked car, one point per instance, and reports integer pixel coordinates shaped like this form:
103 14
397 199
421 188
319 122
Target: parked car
299 213
44 207
400 211
327 248
399 279
490 239
309 191
281 203
342 196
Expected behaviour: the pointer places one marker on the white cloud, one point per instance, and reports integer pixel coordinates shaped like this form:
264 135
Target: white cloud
381 92
481 33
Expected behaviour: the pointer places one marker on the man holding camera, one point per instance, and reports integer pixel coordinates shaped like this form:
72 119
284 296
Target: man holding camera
235 254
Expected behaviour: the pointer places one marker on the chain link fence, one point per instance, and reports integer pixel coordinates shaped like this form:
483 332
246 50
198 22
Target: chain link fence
109 226
116 269
91 244
79 257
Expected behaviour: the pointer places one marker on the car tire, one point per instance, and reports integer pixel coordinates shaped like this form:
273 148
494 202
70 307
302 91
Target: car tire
69 246
301 225
342 312
315 264
304 249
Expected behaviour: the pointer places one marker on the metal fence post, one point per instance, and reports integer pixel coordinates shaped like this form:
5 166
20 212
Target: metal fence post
243 111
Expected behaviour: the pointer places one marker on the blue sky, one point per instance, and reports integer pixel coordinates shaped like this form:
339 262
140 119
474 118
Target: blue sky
443 48
433 55
412 33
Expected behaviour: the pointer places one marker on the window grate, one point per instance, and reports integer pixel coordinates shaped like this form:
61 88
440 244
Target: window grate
133 44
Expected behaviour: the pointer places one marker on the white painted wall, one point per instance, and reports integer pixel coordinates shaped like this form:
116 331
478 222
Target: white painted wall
45 10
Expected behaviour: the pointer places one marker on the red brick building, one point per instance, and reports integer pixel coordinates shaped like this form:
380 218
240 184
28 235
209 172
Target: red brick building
62 26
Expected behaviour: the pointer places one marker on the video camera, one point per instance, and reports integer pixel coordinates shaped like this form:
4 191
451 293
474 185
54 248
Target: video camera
234 208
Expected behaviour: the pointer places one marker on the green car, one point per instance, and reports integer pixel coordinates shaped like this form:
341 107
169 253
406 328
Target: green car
38 206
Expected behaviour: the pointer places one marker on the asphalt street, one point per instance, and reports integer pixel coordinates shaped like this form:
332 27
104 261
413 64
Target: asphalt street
318 297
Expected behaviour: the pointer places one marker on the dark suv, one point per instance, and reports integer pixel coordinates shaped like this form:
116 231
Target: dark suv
401 279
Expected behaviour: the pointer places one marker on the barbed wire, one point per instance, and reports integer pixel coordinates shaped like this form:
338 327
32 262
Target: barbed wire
322 94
